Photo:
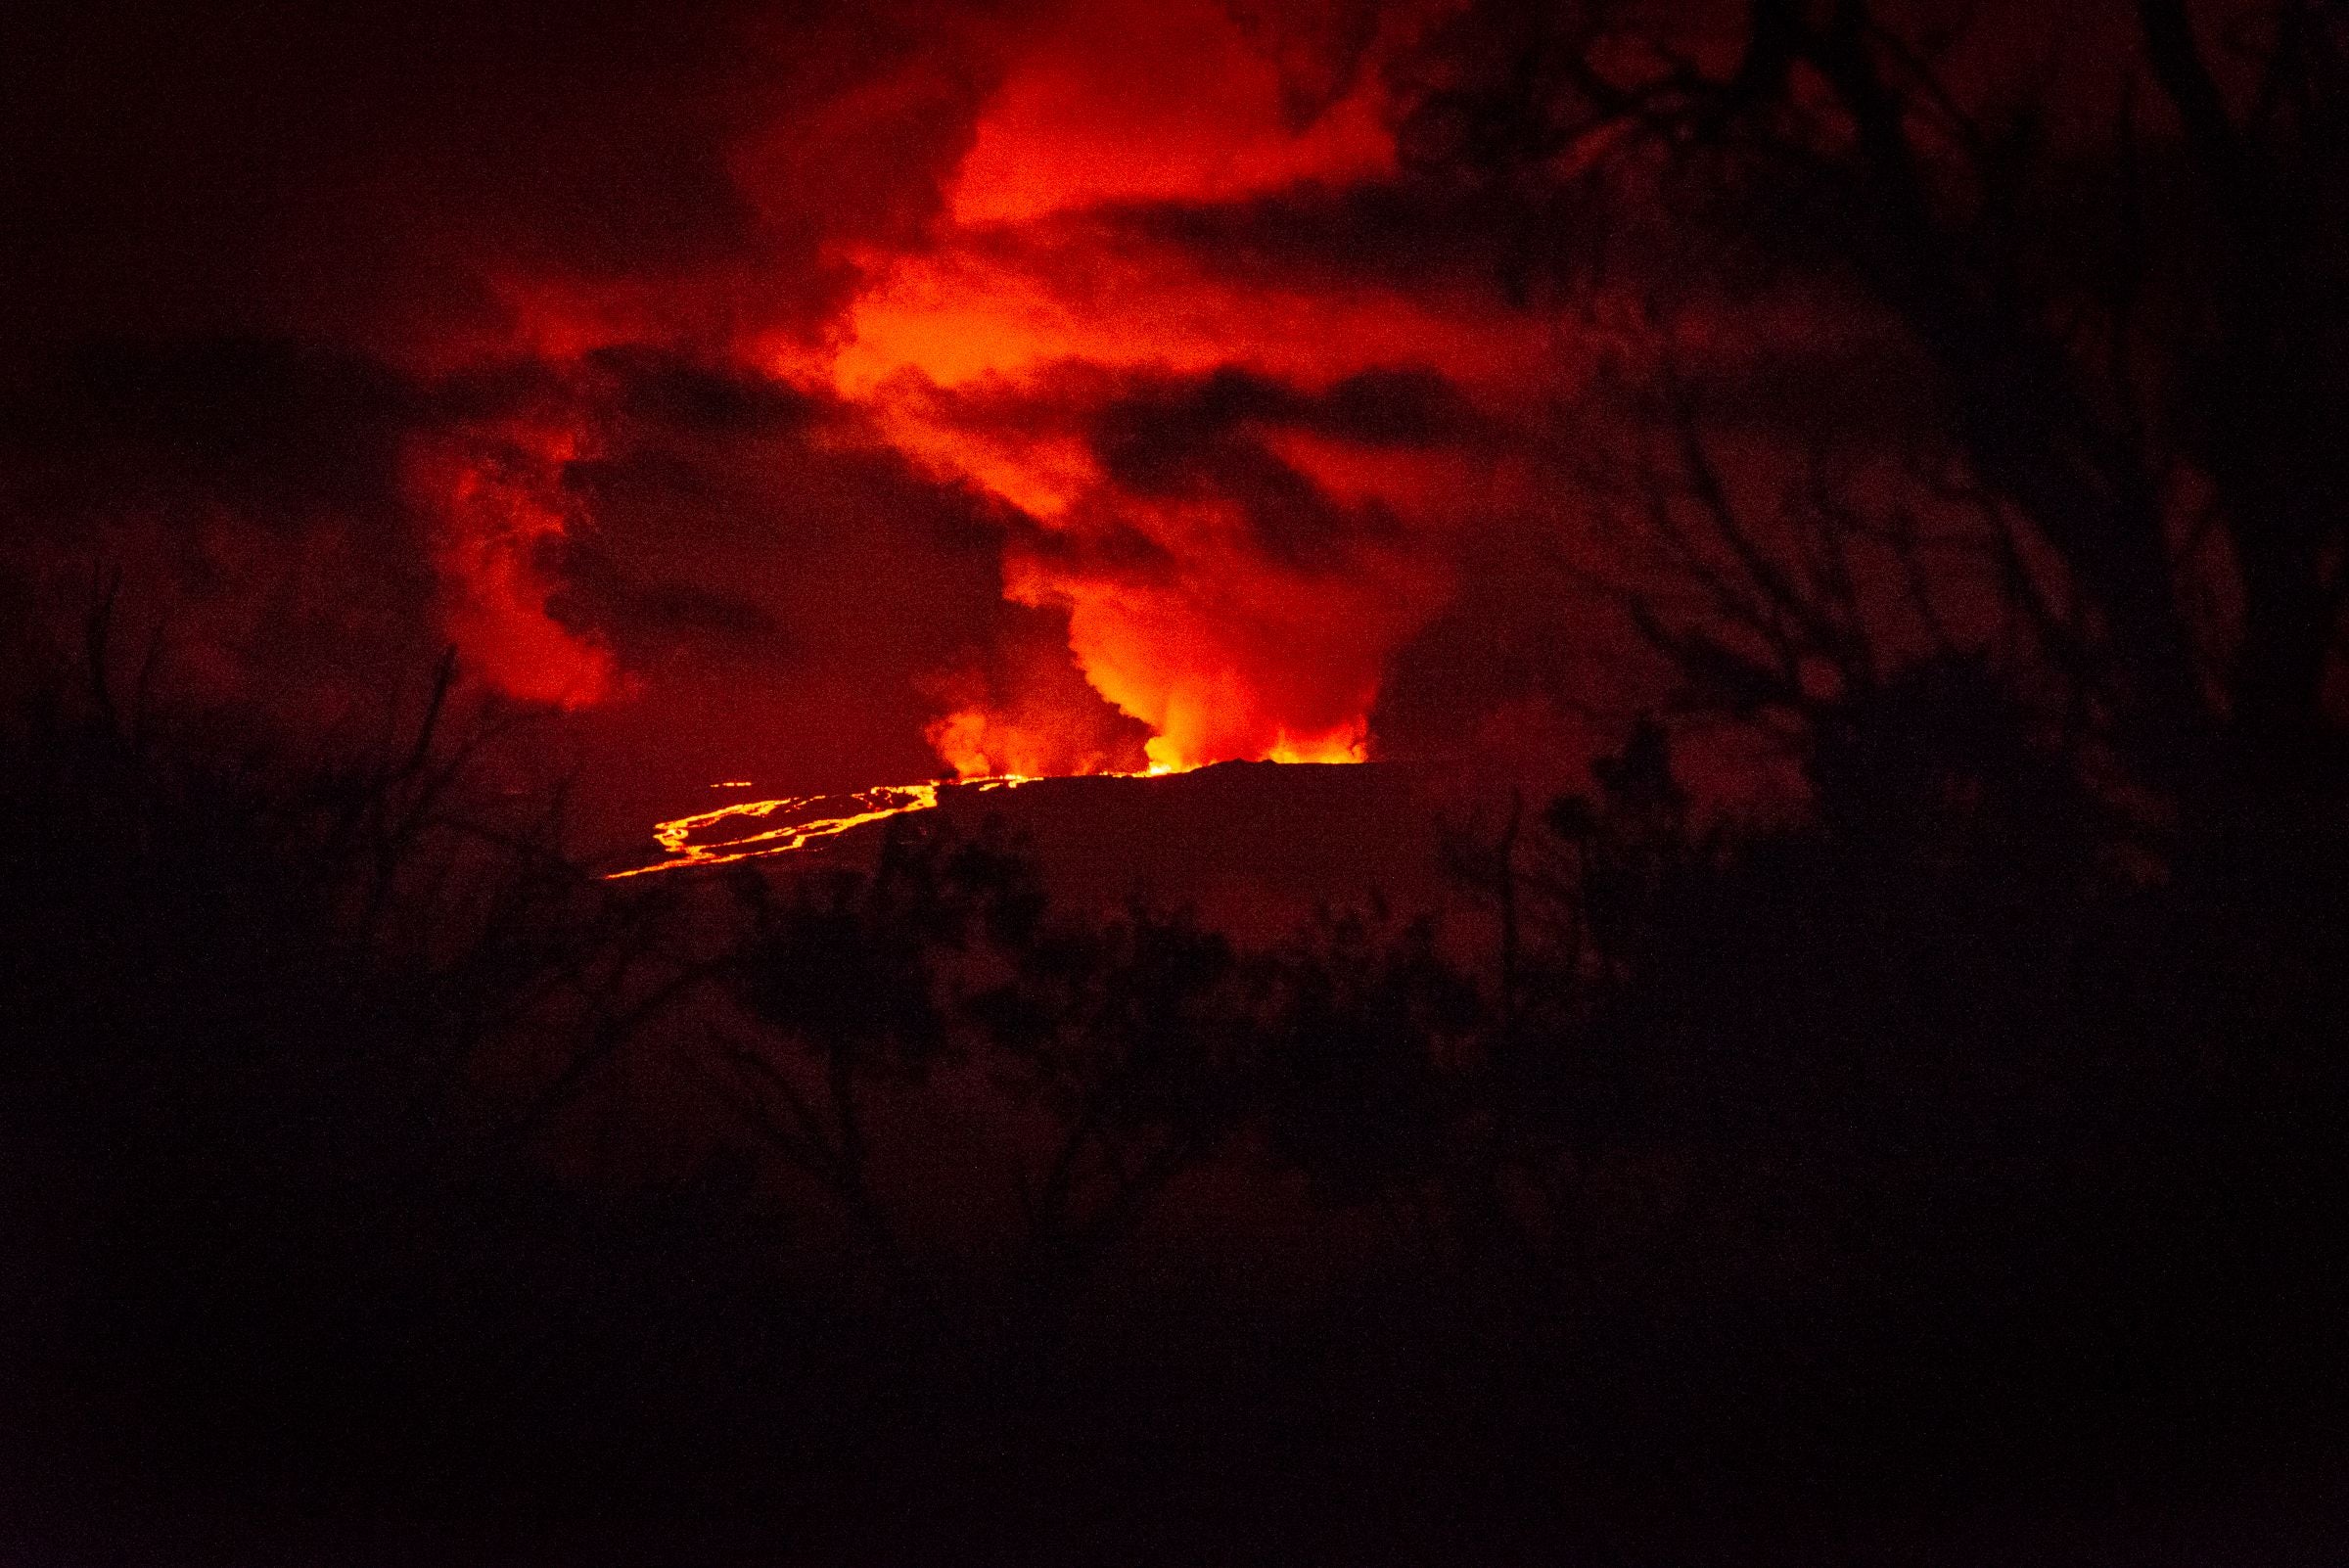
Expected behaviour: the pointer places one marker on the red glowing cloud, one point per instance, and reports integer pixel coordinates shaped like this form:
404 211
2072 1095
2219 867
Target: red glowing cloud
1046 387
498 513
1176 101
1236 575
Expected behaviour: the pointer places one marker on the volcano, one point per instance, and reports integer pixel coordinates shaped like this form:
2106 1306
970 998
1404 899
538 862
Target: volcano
1251 848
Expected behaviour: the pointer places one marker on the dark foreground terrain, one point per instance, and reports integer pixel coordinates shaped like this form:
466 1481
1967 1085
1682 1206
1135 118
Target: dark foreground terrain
1933 1182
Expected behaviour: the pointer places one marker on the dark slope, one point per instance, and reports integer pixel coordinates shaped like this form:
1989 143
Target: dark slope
1251 848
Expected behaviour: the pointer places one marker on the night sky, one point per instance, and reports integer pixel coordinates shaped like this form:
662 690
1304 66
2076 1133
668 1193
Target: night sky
829 395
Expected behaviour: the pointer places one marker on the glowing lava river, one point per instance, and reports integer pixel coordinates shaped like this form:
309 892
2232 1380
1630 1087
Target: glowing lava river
708 838
751 830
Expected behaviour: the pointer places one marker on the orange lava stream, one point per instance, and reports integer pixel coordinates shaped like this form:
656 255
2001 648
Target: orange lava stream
683 846
676 838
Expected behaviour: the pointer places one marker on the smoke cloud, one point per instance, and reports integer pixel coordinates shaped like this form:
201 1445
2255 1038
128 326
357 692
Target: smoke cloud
817 394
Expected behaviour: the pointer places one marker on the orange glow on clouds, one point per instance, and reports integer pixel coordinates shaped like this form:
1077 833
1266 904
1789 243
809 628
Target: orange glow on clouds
1225 652
1027 279
1227 657
496 509
1167 99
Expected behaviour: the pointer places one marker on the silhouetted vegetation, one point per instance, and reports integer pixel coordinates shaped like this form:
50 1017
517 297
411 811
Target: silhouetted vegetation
1937 1149
2097 300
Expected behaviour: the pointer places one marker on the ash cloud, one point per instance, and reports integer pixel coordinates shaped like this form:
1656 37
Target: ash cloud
344 333
1222 586
531 327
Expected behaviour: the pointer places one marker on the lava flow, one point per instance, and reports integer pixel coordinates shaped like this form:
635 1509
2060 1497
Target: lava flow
677 837
683 843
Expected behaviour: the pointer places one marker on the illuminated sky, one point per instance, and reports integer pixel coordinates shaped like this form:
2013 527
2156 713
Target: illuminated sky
822 394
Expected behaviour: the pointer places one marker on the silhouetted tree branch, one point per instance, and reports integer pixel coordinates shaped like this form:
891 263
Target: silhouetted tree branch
2113 393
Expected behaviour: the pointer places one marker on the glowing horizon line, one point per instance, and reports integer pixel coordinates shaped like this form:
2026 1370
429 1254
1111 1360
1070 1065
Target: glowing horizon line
679 852
675 836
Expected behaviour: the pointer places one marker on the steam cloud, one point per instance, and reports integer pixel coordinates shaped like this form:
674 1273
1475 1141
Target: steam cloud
814 395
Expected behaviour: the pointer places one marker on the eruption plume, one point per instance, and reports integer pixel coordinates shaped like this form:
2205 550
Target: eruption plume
498 512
